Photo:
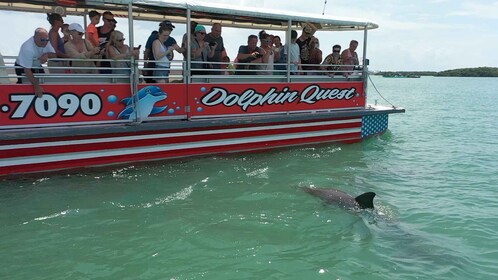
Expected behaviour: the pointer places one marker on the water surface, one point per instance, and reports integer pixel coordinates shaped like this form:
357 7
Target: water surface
243 216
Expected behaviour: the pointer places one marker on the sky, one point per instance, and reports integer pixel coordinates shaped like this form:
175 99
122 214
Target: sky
418 35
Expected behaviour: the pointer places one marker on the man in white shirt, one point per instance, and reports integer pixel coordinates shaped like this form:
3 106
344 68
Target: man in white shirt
33 53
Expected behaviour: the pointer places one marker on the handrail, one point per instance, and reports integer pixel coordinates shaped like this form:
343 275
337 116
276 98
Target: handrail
177 69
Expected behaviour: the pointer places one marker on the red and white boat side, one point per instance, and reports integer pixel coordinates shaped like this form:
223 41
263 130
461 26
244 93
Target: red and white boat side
85 121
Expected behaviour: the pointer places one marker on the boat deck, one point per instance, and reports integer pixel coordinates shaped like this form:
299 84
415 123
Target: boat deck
170 125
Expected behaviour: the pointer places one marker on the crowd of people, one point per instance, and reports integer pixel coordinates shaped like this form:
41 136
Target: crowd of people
208 54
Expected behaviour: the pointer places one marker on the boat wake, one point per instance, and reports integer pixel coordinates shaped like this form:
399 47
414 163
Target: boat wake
181 195
55 215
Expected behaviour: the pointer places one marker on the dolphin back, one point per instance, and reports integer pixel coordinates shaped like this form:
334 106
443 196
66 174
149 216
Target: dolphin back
365 200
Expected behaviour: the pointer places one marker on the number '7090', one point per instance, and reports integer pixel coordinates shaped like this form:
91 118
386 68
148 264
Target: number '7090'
48 105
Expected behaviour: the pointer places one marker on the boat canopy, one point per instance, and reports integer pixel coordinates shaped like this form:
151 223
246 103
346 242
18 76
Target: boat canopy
202 12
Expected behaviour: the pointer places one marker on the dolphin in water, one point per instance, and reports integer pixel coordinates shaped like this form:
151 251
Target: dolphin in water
342 199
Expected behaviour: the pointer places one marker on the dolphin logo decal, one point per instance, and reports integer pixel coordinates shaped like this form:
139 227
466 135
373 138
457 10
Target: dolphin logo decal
147 98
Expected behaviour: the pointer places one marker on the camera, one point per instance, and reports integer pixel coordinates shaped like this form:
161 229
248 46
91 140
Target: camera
258 55
211 44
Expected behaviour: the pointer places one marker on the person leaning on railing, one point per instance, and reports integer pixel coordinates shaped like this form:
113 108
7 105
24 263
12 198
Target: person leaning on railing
350 58
333 61
33 53
249 54
119 51
83 50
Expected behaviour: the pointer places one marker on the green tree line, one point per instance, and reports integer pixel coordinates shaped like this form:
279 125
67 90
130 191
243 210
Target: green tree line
463 72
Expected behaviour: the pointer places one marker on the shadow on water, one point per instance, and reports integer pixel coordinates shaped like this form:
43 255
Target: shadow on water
398 244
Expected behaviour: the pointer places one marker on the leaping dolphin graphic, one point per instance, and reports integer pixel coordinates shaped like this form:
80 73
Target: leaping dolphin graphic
147 98
342 199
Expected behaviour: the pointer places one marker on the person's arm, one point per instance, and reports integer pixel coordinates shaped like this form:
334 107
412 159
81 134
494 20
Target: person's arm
34 81
319 56
266 55
112 53
196 52
245 57
72 52
212 50
156 50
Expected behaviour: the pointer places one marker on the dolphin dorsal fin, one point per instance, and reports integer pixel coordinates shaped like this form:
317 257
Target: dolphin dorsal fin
365 200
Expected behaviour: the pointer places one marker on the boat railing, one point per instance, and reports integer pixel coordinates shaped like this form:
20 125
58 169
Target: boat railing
220 72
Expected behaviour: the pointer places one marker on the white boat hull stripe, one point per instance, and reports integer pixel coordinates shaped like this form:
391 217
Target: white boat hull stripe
170 135
168 147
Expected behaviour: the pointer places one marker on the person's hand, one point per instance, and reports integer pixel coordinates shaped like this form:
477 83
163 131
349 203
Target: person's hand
38 91
43 58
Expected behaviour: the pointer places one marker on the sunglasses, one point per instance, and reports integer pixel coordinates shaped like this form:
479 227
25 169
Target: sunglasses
121 40
44 39
110 20
80 33
336 50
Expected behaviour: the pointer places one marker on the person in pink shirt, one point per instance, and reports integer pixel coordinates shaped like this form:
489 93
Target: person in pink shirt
349 58
92 34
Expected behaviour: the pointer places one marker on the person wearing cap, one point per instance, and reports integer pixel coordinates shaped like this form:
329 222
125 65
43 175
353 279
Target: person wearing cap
148 52
57 43
332 61
304 43
92 34
201 51
33 53
162 50
81 49
219 52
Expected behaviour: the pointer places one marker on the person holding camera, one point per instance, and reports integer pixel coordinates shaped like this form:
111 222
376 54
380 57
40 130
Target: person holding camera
83 50
270 56
219 52
201 51
249 54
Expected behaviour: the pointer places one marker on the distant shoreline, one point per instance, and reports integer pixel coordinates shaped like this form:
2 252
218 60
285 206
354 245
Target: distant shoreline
463 72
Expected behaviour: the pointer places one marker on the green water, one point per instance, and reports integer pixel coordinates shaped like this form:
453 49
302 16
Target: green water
244 216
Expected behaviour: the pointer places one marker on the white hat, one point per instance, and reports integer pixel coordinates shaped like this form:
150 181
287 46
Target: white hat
76 27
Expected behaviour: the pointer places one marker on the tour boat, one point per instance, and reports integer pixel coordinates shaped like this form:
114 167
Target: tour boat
86 120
